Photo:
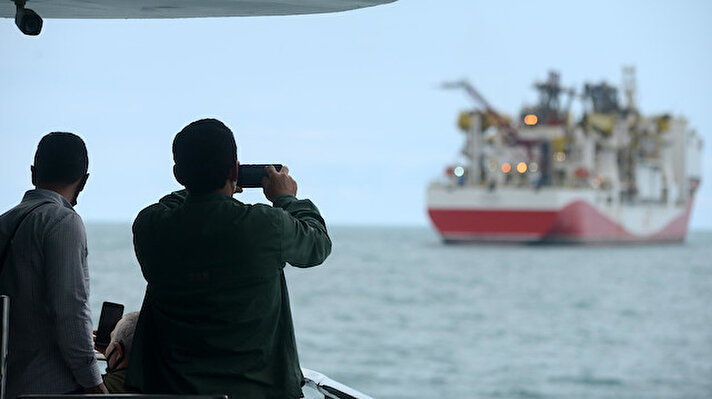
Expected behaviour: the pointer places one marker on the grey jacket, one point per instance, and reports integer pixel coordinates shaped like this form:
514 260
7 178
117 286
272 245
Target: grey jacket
46 277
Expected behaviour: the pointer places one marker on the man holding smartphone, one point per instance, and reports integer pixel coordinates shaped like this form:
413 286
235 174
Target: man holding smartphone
43 256
216 316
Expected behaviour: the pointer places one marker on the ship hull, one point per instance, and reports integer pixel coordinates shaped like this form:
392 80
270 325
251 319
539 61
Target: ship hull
552 216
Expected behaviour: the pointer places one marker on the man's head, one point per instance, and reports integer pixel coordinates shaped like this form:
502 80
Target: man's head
117 353
205 156
61 164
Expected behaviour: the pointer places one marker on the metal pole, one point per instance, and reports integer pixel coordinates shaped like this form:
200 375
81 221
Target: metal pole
4 336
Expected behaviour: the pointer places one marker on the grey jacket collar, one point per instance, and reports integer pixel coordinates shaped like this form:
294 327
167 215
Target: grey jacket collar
40 194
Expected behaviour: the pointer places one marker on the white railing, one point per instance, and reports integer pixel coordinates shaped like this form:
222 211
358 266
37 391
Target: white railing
329 388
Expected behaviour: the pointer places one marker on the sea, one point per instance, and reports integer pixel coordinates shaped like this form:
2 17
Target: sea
395 313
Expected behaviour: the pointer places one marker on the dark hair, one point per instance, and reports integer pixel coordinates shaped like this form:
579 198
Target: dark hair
61 158
204 152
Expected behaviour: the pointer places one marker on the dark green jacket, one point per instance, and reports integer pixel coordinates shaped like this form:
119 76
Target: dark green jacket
216 316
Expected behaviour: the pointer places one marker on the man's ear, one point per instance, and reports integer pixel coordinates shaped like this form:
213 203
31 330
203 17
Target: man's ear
177 174
119 350
111 353
82 183
233 171
34 178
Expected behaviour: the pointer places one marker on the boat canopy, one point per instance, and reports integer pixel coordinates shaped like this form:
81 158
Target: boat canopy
149 9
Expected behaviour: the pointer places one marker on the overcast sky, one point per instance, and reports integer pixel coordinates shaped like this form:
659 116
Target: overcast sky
350 101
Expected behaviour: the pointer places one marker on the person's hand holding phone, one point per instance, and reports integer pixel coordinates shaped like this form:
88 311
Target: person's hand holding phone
99 349
278 183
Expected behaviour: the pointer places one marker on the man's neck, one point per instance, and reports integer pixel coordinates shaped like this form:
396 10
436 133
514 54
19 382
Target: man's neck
65 191
227 189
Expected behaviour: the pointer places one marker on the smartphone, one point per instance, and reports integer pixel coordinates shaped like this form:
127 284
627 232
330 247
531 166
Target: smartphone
250 175
111 313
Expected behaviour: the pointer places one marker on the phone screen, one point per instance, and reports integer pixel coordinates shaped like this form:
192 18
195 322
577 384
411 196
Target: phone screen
111 313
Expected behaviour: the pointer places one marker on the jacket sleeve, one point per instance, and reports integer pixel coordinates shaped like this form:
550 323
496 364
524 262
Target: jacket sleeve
305 241
143 234
67 285
142 224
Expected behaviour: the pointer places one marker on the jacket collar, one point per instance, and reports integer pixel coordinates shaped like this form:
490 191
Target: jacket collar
207 197
40 194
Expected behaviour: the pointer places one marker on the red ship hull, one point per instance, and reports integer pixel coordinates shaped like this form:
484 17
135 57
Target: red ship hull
578 222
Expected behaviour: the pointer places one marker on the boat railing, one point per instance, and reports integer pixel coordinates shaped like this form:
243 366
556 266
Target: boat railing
316 385
120 396
329 388
314 381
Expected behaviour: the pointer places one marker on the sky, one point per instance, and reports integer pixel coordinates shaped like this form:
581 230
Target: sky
349 101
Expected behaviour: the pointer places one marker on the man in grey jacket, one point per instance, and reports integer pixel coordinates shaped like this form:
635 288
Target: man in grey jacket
43 258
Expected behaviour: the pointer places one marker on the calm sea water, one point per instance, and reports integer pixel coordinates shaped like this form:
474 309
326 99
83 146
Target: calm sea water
396 314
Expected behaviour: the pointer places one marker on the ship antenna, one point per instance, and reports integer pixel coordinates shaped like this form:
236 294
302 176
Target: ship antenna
629 87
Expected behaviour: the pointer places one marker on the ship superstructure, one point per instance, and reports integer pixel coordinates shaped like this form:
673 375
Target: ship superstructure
610 175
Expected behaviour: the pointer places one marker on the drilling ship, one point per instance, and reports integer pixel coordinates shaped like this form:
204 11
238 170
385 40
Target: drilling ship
610 176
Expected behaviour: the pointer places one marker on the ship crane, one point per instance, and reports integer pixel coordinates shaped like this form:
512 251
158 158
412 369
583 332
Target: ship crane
512 136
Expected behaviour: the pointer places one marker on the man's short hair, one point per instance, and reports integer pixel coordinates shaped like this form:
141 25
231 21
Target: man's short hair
204 152
61 158
124 331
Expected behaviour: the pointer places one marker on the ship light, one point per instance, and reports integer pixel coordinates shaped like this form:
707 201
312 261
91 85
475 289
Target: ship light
559 156
506 167
522 167
459 171
531 120
533 167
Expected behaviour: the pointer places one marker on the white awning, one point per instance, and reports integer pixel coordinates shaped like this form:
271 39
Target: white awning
146 9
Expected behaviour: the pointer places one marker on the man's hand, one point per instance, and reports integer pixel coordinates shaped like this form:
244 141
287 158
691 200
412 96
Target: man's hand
278 183
99 389
96 348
